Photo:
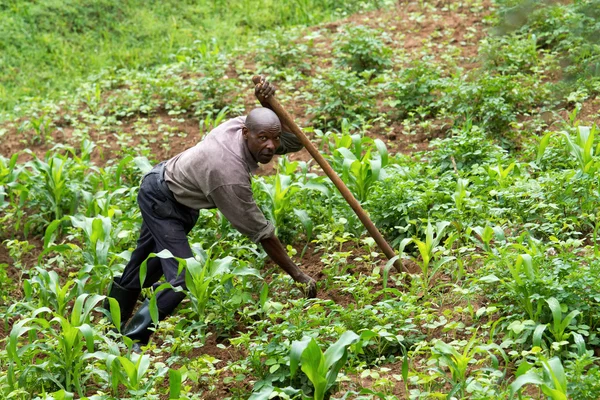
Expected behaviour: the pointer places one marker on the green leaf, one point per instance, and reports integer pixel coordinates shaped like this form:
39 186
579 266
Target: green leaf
313 365
542 146
383 152
555 369
336 354
538 335
530 378
153 308
298 347
49 234
115 312
489 279
142 164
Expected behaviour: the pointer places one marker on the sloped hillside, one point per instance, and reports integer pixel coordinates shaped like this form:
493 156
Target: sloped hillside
466 129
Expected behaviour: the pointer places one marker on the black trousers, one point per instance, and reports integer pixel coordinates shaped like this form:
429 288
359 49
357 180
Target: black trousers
165 225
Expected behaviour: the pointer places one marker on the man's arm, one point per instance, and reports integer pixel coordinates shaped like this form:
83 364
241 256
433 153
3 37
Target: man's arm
237 204
275 250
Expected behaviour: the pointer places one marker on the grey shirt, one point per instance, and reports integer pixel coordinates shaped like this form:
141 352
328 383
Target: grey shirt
216 173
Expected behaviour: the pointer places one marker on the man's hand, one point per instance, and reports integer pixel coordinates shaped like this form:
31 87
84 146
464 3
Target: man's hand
275 250
263 91
309 288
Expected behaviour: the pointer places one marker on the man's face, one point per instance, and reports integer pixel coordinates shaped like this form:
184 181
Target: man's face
263 143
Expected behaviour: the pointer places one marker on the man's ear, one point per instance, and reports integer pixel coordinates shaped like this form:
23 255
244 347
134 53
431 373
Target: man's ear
245 132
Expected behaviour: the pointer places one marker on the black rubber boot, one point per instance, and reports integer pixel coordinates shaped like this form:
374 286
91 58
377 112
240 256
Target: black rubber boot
138 329
126 298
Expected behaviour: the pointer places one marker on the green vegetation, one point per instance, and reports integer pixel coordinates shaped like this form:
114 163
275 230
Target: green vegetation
471 153
47 47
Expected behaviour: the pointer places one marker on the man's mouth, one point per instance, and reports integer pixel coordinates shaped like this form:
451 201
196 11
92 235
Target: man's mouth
267 155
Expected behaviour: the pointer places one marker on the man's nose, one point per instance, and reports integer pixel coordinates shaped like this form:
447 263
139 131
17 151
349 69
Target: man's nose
271 145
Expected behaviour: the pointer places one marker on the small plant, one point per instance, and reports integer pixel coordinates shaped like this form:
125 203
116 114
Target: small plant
361 161
415 89
582 149
552 381
362 48
342 93
430 251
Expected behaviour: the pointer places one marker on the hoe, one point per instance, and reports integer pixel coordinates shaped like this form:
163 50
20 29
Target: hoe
362 215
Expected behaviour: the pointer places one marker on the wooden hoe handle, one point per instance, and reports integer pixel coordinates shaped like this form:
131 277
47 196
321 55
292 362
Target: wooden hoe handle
286 119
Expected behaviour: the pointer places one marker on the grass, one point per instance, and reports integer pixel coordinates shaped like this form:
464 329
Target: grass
47 46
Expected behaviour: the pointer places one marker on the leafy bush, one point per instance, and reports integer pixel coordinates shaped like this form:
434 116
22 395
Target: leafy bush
279 50
415 88
491 101
569 29
361 48
464 148
341 93
510 54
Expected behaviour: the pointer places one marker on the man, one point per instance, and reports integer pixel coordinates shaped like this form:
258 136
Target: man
213 174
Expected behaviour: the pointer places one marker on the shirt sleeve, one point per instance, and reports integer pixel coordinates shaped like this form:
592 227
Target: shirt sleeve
237 204
289 143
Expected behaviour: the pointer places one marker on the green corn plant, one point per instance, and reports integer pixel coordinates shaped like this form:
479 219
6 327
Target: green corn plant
133 371
429 250
97 235
486 234
74 338
47 288
458 362
92 96
280 195
41 126
582 148
501 174
202 277
542 146
552 381
287 183
362 162
19 366
461 194
524 272
558 327
320 368
211 121
55 190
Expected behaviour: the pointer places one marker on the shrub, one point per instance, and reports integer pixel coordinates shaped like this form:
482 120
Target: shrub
342 94
361 48
415 88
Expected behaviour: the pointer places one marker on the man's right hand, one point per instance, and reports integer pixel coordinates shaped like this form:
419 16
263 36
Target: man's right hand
309 287
275 250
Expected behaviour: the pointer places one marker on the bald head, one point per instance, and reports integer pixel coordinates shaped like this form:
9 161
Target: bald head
262 119
262 133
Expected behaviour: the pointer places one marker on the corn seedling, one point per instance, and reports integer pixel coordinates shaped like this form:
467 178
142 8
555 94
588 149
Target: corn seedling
320 368
361 161
430 251
552 381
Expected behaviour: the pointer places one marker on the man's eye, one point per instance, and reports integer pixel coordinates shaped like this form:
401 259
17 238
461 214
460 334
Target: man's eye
262 138
278 138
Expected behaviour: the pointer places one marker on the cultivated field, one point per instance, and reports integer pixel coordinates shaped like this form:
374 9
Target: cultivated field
466 129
